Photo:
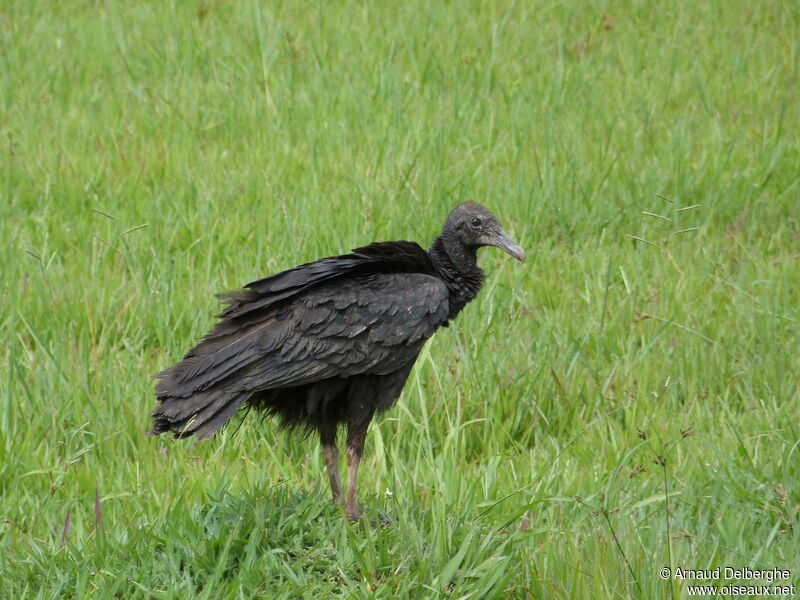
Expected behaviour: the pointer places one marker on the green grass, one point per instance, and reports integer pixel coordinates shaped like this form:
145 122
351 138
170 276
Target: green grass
647 155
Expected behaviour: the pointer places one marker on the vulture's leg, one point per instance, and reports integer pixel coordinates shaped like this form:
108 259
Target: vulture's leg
327 437
357 423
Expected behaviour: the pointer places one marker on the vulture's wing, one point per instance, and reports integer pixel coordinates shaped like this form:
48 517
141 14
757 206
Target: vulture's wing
372 323
380 257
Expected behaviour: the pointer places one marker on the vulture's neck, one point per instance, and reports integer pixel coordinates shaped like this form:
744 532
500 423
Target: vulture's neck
457 265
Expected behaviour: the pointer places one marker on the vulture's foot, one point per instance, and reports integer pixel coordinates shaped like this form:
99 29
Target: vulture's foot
354 516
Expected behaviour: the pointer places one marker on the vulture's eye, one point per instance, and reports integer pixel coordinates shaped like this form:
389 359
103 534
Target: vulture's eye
476 223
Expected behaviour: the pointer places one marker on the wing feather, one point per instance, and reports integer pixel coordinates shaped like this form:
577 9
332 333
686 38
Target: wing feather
337 329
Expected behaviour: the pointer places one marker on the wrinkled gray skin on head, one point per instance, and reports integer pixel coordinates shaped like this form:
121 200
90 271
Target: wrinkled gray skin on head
470 226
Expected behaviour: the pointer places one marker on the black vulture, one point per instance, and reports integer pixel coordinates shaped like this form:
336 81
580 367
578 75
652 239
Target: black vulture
329 342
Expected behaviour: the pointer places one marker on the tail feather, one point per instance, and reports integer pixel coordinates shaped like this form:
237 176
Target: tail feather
200 415
210 426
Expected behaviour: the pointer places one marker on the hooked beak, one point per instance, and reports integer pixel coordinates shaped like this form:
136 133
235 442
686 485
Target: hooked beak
500 239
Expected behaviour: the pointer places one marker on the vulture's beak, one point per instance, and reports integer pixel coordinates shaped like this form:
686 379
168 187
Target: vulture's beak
500 239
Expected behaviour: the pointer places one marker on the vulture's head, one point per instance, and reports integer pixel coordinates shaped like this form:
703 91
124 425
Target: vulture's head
473 226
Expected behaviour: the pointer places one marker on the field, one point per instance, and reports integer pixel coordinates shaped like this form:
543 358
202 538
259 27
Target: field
626 400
